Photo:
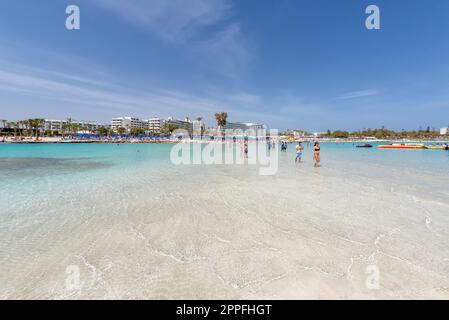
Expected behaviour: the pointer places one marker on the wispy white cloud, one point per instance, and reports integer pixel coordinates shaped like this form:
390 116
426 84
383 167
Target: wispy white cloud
115 99
227 52
203 28
359 94
177 21
58 86
246 98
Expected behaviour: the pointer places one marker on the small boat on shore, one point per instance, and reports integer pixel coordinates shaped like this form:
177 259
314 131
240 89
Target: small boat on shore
402 146
366 145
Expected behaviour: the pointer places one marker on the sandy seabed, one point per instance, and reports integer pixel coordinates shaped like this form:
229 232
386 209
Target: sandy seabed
224 232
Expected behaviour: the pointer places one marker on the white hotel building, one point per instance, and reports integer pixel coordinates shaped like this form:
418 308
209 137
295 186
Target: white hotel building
243 126
128 123
59 125
444 131
154 125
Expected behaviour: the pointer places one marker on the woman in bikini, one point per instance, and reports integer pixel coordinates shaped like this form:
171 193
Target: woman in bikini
316 154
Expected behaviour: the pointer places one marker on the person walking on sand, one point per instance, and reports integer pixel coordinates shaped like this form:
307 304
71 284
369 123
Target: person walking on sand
299 150
316 154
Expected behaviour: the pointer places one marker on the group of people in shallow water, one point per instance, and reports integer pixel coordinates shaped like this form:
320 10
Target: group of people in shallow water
300 149
316 154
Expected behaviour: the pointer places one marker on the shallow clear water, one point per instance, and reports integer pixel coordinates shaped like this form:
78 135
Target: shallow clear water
137 226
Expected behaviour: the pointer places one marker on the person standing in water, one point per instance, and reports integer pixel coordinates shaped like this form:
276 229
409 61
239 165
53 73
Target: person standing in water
316 154
299 150
284 146
245 148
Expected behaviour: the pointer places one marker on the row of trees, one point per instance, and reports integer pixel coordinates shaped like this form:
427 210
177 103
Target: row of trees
33 127
384 134
28 127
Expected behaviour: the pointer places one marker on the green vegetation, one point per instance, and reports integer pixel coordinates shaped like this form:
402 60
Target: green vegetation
28 127
222 119
121 130
168 128
137 131
382 133
385 134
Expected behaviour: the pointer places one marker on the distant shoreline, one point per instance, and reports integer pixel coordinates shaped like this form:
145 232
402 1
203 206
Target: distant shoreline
47 140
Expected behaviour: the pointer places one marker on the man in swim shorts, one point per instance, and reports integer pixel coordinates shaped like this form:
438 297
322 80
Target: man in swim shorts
299 150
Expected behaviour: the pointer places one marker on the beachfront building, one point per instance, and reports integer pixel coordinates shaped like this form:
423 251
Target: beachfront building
128 123
193 127
54 125
70 126
319 134
243 126
185 124
444 131
298 134
154 125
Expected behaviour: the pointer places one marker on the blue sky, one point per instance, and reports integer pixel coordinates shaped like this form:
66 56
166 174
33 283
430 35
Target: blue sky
307 64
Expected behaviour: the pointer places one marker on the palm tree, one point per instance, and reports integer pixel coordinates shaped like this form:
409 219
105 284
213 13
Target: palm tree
221 118
74 128
121 130
13 125
203 127
3 121
168 128
103 131
67 125
38 125
17 127
29 126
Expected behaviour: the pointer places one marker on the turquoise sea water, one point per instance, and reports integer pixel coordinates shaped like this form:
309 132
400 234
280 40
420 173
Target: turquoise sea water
21 162
158 154
140 227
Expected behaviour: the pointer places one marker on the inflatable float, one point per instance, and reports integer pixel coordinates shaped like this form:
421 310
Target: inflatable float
402 146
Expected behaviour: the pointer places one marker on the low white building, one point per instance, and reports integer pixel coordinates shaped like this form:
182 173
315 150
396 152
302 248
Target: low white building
128 123
444 131
298 134
185 124
64 125
54 125
243 126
